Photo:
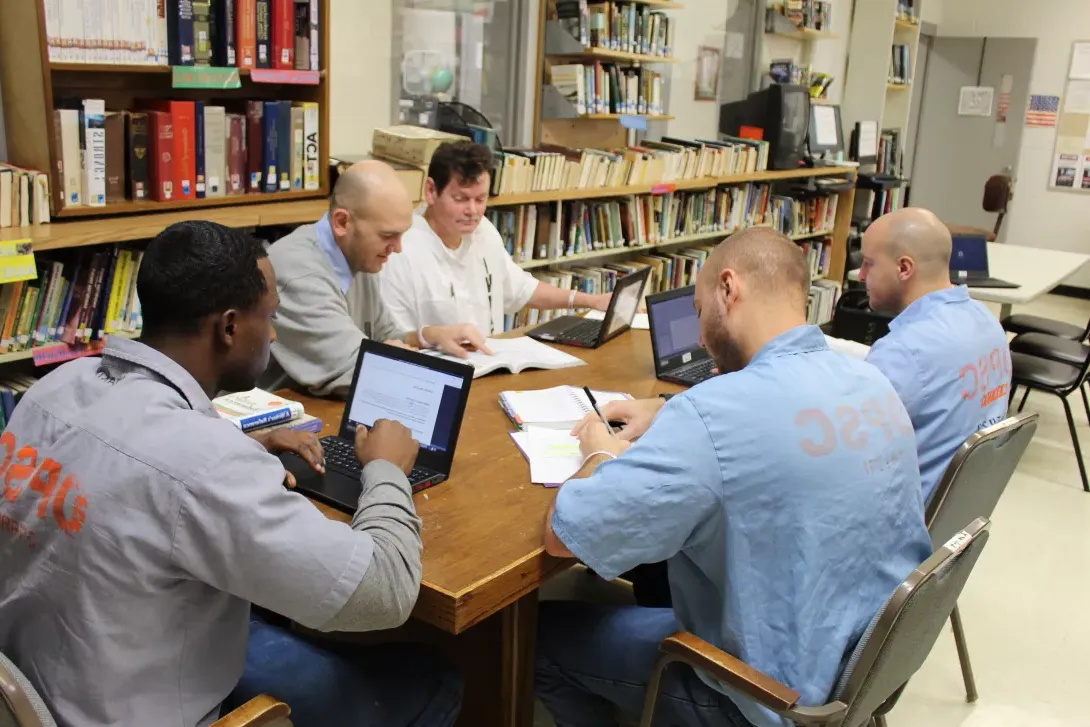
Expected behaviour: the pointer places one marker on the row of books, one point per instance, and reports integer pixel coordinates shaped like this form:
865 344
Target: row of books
812 14
11 393
24 197
615 26
821 302
873 203
906 10
532 232
802 216
76 299
900 68
244 33
609 88
818 256
181 150
889 152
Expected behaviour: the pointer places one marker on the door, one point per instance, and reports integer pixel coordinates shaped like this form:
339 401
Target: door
955 155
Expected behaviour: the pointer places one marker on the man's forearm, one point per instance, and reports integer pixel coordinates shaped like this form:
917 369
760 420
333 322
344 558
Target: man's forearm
553 545
387 593
550 297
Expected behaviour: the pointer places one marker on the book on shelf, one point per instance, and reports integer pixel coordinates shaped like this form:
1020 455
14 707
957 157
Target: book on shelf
12 390
256 409
906 10
802 216
609 88
24 196
222 33
628 28
178 150
821 301
900 69
809 14
78 297
572 16
818 254
889 152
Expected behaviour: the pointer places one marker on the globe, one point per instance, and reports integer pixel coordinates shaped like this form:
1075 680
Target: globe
441 80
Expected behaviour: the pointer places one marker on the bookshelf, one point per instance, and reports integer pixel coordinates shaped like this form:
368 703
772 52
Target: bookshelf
33 86
784 40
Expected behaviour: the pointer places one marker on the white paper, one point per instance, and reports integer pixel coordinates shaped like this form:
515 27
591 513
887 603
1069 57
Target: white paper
848 348
639 323
1080 62
868 139
825 133
975 101
553 455
735 45
560 407
1078 97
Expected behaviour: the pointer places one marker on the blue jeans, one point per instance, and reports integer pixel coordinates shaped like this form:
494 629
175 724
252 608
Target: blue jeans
348 685
594 659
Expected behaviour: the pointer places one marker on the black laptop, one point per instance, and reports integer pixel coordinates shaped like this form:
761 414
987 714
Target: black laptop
426 394
586 333
675 338
969 263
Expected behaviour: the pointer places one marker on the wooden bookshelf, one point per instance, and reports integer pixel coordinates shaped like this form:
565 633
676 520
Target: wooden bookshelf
602 54
649 117
898 86
33 86
806 34
902 24
6 358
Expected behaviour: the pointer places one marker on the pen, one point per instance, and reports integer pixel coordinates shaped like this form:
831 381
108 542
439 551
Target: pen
594 403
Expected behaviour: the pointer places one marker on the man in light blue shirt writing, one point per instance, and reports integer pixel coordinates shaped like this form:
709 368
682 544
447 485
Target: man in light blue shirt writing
784 495
946 355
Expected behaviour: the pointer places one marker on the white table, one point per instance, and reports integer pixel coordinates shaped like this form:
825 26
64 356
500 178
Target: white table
1037 270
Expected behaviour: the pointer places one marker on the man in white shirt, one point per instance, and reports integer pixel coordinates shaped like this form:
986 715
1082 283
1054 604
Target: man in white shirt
453 267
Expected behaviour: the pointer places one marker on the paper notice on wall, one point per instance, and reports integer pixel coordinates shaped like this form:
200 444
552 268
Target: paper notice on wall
1078 97
1086 172
735 47
975 101
1080 62
1066 170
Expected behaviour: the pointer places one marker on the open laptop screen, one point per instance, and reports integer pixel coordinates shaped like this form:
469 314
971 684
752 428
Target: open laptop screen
424 400
969 253
675 326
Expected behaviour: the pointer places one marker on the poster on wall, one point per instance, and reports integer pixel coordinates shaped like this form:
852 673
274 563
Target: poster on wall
1042 111
1080 61
1071 155
975 101
1066 169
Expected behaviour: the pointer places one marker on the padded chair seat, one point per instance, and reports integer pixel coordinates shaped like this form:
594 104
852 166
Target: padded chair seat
1025 323
1053 348
1042 373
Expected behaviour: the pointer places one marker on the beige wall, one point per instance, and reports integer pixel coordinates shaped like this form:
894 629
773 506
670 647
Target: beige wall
700 22
360 94
1039 217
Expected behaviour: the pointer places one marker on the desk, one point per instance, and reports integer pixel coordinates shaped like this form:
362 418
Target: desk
1036 270
483 551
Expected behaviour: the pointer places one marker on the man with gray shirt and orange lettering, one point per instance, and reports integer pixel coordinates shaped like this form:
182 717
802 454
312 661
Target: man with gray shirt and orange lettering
143 526
330 294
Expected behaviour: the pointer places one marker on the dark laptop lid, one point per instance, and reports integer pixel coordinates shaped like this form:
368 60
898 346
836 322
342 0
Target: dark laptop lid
675 329
425 393
969 254
623 305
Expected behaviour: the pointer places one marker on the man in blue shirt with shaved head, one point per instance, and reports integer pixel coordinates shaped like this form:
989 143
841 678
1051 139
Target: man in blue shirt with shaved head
784 495
946 355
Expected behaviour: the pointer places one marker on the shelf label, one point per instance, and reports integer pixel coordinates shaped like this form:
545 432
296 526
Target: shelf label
61 352
638 123
17 261
204 77
273 75
663 188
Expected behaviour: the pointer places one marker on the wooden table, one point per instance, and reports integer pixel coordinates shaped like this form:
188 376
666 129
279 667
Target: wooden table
484 557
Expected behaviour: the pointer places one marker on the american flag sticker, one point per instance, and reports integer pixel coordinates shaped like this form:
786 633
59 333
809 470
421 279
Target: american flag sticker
1043 111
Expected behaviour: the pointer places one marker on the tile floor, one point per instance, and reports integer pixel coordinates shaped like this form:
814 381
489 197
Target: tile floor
1025 607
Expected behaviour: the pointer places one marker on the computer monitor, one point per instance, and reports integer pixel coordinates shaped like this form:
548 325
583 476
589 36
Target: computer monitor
782 114
825 134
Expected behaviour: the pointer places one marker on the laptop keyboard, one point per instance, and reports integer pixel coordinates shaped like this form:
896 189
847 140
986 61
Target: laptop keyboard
584 332
696 371
341 456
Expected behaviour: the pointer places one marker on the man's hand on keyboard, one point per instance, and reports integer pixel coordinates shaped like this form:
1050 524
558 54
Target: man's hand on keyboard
389 441
304 444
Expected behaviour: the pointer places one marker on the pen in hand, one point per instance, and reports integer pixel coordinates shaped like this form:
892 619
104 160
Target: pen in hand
594 403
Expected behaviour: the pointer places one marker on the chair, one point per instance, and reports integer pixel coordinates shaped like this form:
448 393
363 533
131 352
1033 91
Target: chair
22 706
1058 379
1020 323
890 651
971 486
997 197
1054 348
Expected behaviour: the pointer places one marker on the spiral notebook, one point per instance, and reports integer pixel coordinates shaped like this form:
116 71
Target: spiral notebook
560 407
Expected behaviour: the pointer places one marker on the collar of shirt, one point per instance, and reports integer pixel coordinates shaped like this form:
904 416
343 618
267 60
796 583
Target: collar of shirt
336 258
121 355
922 306
459 256
800 339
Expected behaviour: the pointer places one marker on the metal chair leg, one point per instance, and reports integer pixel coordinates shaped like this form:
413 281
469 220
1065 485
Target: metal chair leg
1010 396
1024 397
1085 402
1075 441
963 656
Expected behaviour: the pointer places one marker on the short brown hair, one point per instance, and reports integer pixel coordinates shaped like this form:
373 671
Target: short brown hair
464 160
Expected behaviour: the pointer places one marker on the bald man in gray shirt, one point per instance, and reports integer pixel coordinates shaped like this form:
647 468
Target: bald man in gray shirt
138 527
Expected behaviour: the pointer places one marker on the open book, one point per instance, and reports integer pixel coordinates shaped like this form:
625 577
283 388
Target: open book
561 407
516 355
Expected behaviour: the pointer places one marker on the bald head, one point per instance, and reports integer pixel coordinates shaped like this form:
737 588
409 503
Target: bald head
367 185
906 254
916 233
772 265
369 211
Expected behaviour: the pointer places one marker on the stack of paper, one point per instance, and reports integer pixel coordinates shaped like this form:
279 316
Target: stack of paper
560 407
553 455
